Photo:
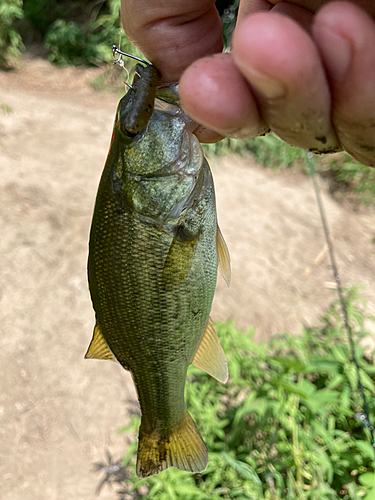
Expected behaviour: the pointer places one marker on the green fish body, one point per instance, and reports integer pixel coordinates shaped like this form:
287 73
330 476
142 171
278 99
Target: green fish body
152 267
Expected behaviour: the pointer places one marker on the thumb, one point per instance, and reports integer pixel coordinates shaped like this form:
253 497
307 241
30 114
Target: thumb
172 35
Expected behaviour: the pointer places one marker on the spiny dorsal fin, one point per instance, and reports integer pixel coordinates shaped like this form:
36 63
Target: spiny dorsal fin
98 348
223 256
210 356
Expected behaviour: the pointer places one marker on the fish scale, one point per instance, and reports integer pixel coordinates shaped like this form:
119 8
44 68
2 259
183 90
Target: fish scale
153 256
139 287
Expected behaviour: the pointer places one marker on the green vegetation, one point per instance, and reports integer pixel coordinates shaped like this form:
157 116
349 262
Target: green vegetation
73 32
348 177
69 43
345 176
5 108
89 43
267 150
10 40
284 427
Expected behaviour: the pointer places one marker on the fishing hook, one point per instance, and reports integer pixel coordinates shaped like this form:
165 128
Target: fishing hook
115 51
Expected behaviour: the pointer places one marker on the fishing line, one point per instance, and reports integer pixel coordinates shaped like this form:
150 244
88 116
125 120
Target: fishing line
364 418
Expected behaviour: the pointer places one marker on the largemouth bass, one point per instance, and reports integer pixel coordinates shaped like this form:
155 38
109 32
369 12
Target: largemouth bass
153 257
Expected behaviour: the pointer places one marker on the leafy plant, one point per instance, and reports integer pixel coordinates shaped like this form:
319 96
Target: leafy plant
10 40
285 426
349 177
69 43
5 108
85 43
40 14
267 150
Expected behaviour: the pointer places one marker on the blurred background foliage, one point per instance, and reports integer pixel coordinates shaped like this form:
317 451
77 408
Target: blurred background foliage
11 44
284 427
73 32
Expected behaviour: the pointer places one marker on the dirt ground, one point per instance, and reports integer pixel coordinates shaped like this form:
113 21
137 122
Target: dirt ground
58 412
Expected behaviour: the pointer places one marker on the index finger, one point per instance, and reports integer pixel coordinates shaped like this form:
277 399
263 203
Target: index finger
174 34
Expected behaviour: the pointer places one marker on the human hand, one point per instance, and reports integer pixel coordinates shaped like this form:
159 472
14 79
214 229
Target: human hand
308 76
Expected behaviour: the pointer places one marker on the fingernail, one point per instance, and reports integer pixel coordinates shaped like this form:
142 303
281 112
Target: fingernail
267 86
335 51
246 132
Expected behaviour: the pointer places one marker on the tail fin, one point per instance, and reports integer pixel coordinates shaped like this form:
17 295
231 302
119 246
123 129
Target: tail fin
183 448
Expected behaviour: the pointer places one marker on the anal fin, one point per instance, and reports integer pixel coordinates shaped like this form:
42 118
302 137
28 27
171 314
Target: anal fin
98 348
223 256
210 356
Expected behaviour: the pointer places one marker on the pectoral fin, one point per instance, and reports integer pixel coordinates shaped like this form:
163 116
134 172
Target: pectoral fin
180 257
210 356
223 256
98 348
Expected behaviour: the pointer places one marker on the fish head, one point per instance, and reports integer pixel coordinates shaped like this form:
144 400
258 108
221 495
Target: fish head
157 160
155 131
165 145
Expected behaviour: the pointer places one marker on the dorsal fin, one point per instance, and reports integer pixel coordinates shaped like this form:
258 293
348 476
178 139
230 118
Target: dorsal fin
223 256
210 356
98 348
